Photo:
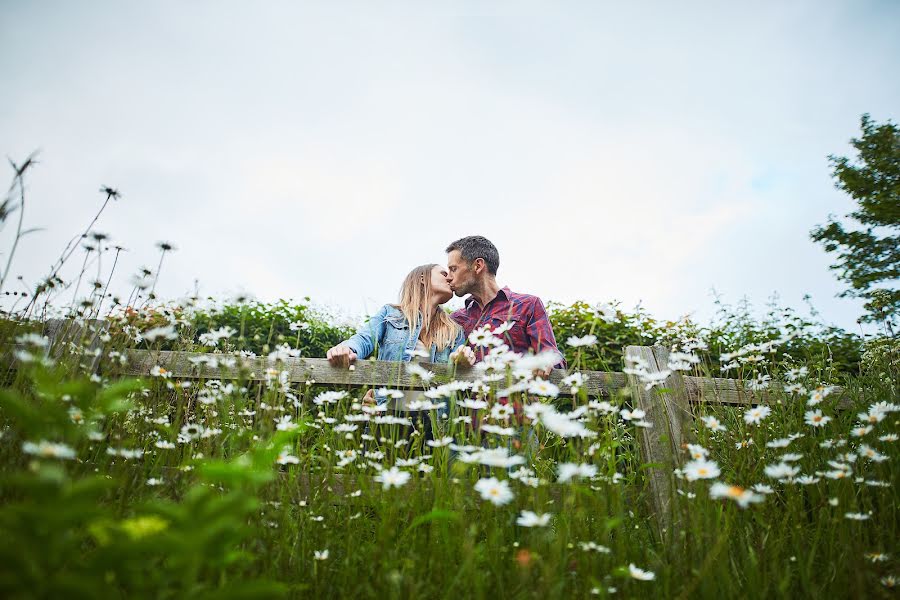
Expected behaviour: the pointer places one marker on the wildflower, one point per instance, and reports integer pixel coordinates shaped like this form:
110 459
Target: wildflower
640 574
158 371
791 457
651 380
795 374
594 547
760 382
867 451
491 457
472 404
808 480
439 443
682 361
743 497
578 342
713 423
330 398
795 388
284 423
861 430
755 415
743 444
494 490
701 469
815 418
286 458
422 373
153 481
575 381
320 554
530 519
488 428
392 477
819 394
298 326
889 581
636 414
539 387
163 444
502 411
46 449
890 437
856 516
872 417
166 332
697 452
607 312
781 471
762 488
779 443
566 471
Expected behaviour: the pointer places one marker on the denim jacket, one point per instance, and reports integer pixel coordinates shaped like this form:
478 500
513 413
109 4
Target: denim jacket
388 333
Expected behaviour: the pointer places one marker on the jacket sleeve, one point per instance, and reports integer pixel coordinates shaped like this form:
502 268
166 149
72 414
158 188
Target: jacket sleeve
540 332
459 341
369 336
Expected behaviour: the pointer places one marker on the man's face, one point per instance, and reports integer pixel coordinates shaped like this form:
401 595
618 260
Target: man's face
460 274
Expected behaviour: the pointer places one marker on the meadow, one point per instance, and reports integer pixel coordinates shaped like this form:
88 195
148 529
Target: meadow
157 486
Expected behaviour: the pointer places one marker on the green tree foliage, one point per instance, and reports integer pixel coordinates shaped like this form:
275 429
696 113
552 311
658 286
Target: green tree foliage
868 258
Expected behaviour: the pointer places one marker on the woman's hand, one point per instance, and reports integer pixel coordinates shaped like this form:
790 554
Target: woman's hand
463 357
369 398
340 356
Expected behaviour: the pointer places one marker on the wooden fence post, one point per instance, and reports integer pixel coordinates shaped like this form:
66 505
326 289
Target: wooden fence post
86 333
670 414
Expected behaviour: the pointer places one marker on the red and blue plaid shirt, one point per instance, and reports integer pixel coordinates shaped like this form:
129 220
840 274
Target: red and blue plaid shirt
531 331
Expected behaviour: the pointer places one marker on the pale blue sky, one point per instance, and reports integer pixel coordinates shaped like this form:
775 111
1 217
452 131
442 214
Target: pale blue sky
646 152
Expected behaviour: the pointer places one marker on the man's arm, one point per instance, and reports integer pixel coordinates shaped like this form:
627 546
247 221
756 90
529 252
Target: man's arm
540 332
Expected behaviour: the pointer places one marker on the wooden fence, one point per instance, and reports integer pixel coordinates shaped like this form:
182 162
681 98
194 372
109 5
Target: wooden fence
669 408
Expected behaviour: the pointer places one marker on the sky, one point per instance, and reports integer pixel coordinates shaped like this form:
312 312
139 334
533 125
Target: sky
643 152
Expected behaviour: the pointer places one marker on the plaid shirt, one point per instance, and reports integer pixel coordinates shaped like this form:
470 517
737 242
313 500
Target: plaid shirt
531 331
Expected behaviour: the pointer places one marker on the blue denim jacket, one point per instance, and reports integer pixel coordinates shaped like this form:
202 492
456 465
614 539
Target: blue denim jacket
388 332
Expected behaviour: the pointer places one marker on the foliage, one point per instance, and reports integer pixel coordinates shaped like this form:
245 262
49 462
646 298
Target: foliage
868 259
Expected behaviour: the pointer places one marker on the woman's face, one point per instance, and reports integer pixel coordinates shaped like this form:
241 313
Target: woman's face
440 289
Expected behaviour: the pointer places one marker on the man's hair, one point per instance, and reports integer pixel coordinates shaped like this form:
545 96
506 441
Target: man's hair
476 246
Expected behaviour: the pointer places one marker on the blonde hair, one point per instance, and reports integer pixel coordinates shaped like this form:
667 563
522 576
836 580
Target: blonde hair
438 328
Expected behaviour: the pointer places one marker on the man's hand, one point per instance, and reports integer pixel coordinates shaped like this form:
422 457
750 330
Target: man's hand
341 356
543 374
463 357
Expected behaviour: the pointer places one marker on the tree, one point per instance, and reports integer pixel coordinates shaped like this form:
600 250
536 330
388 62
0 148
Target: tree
868 253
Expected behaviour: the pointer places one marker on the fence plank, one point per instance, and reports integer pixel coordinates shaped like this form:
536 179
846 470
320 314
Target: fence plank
670 414
383 373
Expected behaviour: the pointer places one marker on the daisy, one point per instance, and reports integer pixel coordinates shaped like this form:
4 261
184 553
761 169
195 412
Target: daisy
392 477
578 342
701 469
815 418
755 415
640 574
861 430
320 554
713 423
856 516
566 471
530 519
46 449
494 490
743 497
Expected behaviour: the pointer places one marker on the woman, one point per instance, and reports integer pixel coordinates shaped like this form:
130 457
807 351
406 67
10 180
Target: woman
416 328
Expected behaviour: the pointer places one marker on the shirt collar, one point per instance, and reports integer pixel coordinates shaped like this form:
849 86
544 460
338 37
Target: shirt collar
504 292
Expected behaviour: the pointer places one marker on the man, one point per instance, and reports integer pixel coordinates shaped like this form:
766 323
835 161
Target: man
472 264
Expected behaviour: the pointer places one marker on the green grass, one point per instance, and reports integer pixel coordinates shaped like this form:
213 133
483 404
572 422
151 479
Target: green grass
228 520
